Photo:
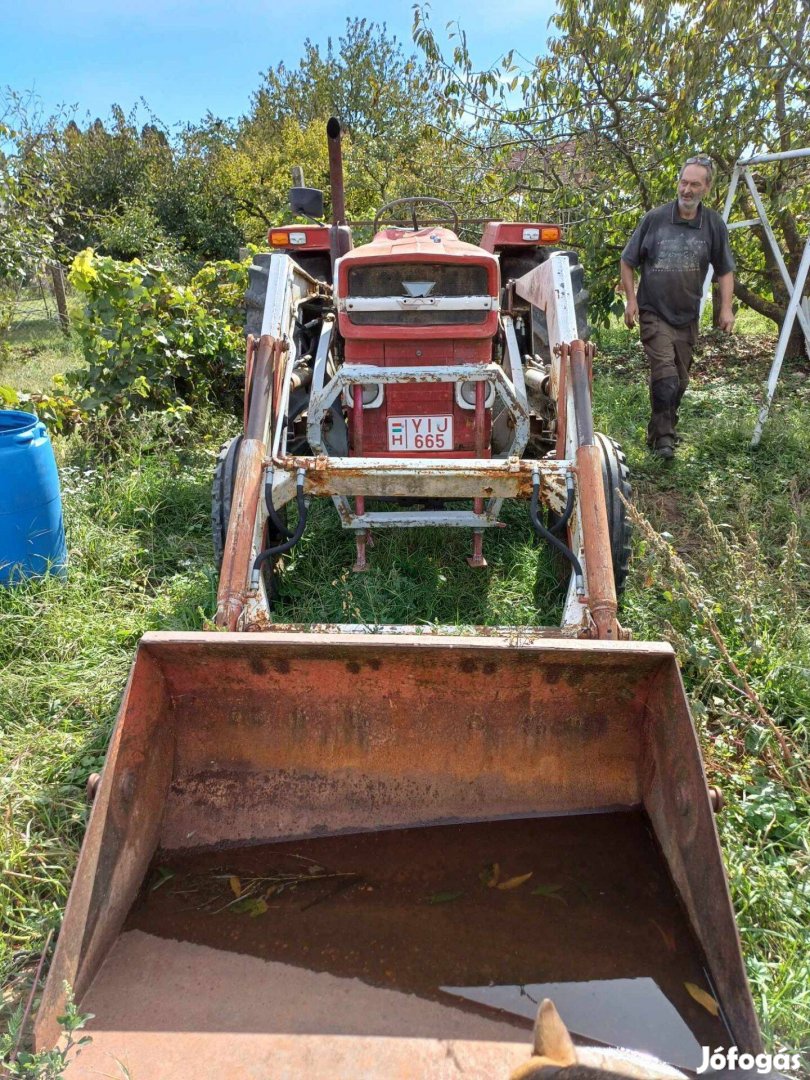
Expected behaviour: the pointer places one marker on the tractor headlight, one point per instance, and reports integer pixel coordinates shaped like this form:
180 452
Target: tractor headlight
465 395
372 396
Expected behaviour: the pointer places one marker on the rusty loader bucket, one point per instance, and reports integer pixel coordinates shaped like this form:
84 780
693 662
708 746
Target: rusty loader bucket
354 855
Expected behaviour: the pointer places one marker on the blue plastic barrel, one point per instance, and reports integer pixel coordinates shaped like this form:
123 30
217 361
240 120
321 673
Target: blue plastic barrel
32 532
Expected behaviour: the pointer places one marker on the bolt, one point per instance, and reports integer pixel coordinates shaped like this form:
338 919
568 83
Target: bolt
717 799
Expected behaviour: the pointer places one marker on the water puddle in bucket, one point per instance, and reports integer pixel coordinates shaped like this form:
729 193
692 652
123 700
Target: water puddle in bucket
490 917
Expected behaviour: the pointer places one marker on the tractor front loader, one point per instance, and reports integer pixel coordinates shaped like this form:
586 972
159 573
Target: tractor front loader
343 851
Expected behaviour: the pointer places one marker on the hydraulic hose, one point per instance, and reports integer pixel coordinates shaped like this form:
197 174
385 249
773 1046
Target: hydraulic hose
272 513
549 537
303 510
561 522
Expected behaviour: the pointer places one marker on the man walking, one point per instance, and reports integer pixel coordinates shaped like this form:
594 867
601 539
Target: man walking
673 247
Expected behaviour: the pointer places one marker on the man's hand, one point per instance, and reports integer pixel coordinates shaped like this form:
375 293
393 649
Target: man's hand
725 286
627 276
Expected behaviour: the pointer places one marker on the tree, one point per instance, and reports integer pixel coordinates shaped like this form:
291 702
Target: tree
133 191
386 104
31 186
191 204
599 126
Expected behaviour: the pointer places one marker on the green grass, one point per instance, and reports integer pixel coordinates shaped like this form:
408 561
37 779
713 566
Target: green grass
138 532
140 559
38 351
421 576
746 321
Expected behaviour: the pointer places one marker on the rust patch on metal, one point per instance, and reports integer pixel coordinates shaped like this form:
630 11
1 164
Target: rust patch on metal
325 476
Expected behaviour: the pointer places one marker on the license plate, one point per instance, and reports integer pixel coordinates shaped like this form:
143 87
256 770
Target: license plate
420 433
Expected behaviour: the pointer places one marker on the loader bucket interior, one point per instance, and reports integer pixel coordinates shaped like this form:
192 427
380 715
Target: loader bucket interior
308 856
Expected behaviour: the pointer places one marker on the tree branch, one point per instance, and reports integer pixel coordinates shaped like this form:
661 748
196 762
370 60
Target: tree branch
758 303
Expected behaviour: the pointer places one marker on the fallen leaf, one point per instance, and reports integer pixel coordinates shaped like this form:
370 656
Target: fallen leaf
241 907
549 891
236 886
703 998
514 882
258 908
444 897
490 874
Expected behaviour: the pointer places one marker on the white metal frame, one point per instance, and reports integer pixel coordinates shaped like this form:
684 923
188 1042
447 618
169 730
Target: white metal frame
548 287
797 307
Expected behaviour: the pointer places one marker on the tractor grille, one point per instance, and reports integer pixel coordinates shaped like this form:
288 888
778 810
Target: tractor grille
436 280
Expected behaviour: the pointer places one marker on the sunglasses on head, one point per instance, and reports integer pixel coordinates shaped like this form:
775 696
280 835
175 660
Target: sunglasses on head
700 159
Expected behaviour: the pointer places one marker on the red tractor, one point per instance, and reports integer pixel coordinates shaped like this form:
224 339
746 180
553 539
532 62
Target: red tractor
421 369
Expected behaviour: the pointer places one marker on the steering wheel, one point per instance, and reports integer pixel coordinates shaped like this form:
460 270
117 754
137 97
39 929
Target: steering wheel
412 202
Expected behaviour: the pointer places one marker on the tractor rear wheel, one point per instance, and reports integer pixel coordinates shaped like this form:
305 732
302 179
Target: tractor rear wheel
222 493
221 498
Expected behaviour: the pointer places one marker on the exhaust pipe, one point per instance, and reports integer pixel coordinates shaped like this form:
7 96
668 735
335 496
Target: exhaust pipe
333 134
340 239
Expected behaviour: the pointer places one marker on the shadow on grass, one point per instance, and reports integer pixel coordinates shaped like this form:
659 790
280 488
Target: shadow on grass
419 576
38 332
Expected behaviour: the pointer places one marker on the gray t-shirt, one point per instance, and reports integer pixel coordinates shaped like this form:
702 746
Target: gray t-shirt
674 256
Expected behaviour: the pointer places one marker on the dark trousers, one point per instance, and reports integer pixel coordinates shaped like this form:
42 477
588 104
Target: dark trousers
669 352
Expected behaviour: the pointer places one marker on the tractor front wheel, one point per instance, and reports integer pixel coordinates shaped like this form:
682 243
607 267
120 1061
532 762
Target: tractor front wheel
221 498
616 481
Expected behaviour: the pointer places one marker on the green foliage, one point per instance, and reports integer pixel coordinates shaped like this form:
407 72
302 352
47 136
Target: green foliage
134 193
594 131
132 231
152 344
194 208
29 202
57 409
45 1064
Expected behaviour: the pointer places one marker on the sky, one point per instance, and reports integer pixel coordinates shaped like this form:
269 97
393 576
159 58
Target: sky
188 57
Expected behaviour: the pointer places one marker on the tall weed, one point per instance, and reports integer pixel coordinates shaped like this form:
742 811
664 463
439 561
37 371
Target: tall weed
737 620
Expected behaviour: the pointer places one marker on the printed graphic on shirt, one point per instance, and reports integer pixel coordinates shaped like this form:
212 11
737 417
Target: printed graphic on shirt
679 253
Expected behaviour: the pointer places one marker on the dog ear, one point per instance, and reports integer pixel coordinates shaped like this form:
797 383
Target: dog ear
551 1038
